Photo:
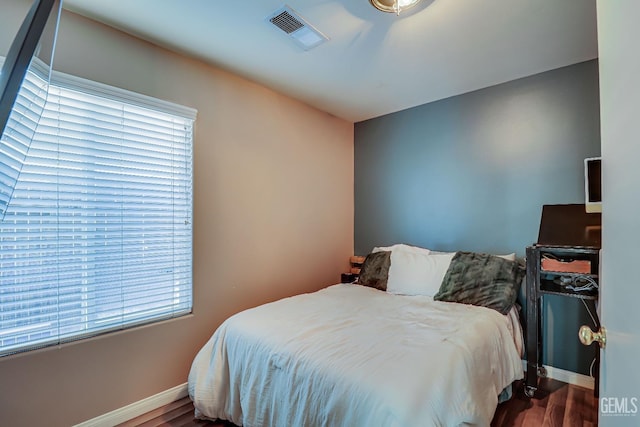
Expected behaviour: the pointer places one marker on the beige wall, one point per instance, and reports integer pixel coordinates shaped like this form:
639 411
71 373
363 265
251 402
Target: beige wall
273 216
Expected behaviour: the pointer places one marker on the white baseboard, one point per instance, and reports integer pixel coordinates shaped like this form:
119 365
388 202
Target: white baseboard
138 408
570 377
567 376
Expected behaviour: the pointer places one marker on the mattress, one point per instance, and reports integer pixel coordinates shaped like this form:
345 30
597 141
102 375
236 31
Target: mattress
350 355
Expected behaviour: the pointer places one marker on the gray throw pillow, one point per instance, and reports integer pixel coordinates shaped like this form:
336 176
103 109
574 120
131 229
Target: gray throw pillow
375 270
481 279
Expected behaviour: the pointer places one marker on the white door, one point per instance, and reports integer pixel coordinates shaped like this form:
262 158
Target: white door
619 53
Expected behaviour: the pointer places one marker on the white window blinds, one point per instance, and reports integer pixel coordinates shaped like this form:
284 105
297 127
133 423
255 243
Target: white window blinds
20 128
97 234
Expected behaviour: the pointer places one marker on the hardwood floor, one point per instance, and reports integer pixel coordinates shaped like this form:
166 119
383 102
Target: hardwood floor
555 404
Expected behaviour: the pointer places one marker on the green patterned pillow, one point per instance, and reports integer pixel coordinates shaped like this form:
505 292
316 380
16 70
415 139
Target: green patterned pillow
481 279
375 270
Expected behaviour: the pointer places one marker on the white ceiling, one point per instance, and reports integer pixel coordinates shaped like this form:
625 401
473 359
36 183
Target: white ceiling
374 63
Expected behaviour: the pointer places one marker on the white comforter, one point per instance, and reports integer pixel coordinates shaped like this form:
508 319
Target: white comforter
354 356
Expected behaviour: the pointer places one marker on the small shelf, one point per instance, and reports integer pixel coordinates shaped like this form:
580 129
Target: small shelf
568 274
549 287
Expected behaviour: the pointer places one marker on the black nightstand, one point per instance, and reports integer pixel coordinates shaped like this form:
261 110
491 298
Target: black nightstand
348 278
569 247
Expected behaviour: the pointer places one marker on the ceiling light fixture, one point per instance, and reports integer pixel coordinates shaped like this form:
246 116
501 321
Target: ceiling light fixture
393 6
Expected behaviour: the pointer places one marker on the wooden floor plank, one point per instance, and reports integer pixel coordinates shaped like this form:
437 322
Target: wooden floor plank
138 421
590 401
171 418
556 406
512 412
182 420
579 401
572 417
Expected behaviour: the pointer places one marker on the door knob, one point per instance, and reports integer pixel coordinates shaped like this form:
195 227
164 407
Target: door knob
587 336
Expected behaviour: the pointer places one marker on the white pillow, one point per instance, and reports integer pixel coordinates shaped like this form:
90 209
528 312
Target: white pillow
510 257
415 273
401 247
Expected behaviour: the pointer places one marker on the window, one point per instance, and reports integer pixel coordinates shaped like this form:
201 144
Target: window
97 233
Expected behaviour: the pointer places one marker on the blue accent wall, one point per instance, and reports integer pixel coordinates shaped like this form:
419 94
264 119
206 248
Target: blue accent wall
472 172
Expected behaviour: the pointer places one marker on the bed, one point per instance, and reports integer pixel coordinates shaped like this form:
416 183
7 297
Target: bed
353 355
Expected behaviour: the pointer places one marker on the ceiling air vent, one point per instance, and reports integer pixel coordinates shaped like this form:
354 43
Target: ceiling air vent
286 22
304 34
